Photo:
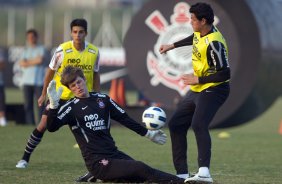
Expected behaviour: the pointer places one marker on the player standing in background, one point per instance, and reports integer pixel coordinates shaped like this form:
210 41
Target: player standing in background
209 88
88 116
33 71
76 52
3 121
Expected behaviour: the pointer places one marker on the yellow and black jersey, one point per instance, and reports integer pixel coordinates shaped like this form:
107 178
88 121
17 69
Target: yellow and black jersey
209 59
87 60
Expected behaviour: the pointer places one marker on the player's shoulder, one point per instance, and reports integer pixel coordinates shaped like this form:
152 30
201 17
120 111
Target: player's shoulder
91 48
67 106
216 45
98 95
67 47
67 43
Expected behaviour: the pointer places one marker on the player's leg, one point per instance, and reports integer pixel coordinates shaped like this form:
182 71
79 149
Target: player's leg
38 90
127 171
33 141
35 137
28 104
178 127
88 177
207 105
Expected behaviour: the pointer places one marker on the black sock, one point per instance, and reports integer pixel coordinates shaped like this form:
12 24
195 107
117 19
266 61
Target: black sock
32 143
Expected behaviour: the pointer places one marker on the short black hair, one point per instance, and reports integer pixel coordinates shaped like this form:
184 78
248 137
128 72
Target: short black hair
79 22
203 11
32 31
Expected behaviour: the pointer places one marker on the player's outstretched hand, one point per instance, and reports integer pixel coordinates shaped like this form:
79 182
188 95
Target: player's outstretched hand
164 48
54 95
157 136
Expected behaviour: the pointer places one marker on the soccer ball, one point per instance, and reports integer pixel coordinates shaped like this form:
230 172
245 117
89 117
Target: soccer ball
154 118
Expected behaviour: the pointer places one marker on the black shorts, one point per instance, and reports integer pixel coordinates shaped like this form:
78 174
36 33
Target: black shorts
123 169
2 98
46 110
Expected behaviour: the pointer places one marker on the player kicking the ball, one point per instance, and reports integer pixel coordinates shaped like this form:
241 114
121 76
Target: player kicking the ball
88 116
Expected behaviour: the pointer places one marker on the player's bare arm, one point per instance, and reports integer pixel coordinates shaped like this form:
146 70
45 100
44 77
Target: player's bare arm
31 62
48 77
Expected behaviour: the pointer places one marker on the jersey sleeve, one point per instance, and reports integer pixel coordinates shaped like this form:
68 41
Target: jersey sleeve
118 114
58 118
57 59
185 42
217 56
218 61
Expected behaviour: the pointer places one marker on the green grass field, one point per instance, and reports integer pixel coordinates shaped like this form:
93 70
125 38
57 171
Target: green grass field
252 155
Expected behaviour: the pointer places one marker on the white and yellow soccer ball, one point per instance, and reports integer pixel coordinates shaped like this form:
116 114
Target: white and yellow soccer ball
154 118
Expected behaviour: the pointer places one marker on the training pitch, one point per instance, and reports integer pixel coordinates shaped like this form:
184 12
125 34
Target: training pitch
249 154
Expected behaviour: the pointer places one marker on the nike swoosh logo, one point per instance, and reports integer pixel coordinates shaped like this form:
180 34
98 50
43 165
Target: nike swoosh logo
107 77
208 91
83 108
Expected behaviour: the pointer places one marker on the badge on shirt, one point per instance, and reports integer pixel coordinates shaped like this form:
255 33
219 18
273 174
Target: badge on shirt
100 103
104 162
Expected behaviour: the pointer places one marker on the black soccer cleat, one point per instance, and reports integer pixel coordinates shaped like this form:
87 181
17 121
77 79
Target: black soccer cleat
88 177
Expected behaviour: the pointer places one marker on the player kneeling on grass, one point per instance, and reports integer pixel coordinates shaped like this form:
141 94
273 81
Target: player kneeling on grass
88 116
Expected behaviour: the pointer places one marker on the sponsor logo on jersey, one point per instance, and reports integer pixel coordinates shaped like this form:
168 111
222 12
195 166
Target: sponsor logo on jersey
101 95
61 116
116 106
92 51
74 61
77 63
68 50
100 103
94 123
83 108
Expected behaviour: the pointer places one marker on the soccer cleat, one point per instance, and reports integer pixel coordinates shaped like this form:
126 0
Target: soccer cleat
88 177
198 179
22 164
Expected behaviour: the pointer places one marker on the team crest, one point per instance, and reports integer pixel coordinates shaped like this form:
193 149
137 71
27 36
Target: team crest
168 68
100 103
104 162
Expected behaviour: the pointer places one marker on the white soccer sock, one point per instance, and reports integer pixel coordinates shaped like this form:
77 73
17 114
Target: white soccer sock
184 176
204 171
